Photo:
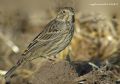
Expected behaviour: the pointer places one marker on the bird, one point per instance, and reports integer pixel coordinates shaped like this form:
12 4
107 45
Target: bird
54 38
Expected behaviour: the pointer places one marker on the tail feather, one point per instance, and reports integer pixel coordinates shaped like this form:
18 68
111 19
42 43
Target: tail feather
10 72
13 69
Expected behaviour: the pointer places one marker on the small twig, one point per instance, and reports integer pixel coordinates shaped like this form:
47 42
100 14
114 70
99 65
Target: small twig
93 65
2 73
9 43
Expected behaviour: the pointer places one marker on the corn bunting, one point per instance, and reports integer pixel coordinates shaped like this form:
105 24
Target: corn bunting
54 38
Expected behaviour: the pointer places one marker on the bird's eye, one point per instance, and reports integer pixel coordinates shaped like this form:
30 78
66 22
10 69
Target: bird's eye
63 11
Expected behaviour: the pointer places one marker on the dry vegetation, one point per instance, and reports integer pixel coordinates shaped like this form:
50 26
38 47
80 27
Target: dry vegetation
93 56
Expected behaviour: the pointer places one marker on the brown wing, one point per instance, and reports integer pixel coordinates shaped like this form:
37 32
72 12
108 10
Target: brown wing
51 32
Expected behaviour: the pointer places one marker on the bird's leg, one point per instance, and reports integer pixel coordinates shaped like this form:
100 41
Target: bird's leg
54 59
45 57
51 59
54 56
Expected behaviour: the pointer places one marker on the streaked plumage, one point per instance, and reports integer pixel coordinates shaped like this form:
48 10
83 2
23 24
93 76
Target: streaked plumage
54 38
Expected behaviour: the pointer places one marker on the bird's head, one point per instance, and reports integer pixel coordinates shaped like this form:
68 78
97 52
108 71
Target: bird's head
66 14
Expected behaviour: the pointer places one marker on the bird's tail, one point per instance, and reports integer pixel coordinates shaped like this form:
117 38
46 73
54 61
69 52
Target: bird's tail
13 69
9 73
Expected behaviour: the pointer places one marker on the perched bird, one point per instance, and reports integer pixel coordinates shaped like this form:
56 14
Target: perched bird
54 38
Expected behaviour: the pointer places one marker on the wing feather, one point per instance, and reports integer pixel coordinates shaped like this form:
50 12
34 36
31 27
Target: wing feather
48 34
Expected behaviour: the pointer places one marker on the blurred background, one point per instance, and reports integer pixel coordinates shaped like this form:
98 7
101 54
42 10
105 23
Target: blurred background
96 35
